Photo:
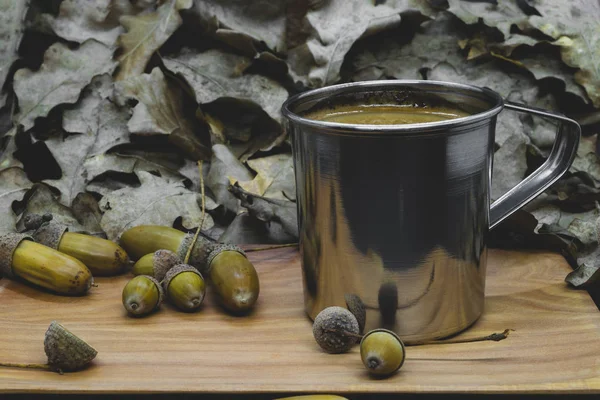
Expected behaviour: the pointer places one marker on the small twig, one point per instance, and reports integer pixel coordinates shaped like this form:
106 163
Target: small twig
275 246
44 367
496 337
189 251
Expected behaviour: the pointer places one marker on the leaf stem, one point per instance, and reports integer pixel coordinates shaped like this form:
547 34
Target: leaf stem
495 337
44 367
275 246
189 251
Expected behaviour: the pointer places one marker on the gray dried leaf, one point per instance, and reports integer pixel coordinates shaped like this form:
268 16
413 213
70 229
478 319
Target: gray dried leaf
510 165
215 74
246 229
587 159
333 29
261 20
145 34
13 186
160 111
8 148
586 274
60 79
12 16
87 212
40 200
502 15
274 177
224 167
96 125
154 202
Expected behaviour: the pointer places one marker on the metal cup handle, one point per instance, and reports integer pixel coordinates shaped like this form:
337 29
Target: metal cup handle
560 159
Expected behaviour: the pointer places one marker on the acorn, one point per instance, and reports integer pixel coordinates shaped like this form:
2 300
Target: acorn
357 308
184 287
142 295
42 266
335 329
156 264
144 239
65 351
233 277
382 352
101 256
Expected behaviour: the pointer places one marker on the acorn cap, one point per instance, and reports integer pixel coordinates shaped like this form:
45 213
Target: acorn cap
161 293
163 261
219 248
50 233
357 308
66 351
176 270
335 318
8 244
200 251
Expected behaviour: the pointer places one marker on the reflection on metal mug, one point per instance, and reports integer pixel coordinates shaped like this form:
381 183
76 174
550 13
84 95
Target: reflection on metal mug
399 214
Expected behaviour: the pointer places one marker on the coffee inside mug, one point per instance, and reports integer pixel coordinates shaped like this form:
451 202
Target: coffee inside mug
388 108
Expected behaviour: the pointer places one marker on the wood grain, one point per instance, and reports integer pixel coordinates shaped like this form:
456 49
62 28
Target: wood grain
555 348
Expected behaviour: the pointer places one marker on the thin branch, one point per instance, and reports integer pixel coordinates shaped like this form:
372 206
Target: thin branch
275 246
44 367
189 251
495 337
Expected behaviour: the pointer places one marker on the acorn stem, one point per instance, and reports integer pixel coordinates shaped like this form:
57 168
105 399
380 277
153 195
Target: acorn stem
189 250
496 337
44 367
276 246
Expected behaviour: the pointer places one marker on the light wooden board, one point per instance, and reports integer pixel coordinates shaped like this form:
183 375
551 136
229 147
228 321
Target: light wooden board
555 348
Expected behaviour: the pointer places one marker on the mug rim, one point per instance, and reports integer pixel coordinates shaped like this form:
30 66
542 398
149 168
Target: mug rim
496 101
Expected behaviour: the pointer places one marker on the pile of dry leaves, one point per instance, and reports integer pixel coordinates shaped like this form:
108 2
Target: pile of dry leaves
108 104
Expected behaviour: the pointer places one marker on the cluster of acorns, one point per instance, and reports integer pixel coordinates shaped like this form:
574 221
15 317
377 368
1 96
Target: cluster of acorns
159 271
337 330
46 254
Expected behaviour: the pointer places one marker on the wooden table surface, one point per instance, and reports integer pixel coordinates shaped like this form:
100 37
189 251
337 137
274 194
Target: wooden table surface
555 347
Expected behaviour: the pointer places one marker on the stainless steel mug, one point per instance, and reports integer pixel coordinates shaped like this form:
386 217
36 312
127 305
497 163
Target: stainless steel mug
398 215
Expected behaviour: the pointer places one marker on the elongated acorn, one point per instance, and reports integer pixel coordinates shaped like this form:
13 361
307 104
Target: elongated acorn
43 266
184 287
144 239
101 256
142 295
335 329
233 277
156 264
382 352
65 351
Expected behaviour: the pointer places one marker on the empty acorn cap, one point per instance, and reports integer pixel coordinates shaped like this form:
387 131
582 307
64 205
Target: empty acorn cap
176 270
163 261
8 244
66 351
357 308
330 329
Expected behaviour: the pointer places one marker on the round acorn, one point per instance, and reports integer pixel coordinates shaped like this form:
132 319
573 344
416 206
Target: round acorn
156 264
335 329
233 277
382 352
65 351
142 295
101 256
184 287
42 266
144 239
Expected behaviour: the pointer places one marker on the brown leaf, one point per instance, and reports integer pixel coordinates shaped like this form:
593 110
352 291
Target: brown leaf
13 186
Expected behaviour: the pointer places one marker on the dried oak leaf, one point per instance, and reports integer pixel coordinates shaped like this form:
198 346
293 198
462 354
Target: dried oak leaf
145 34
60 79
274 177
41 200
224 166
259 20
501 15
80 20
215 74
160 111
13 186
587 159
155 202
247 229
8 148
334 28
270 211
95 125
12 16
510 164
